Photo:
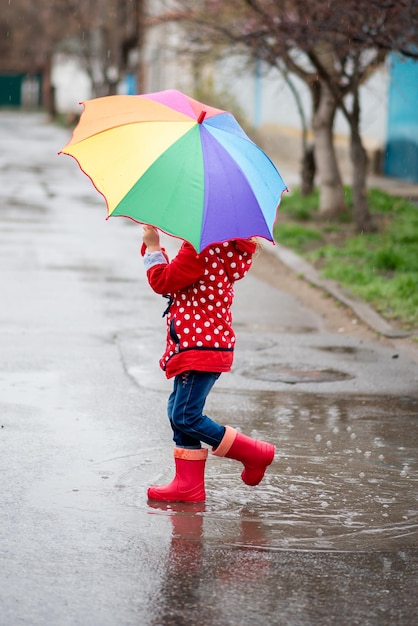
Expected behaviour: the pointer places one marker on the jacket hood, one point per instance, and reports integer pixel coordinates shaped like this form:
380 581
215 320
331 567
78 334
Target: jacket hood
233 254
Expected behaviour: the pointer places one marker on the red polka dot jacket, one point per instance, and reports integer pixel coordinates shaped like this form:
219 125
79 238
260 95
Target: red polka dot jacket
201 291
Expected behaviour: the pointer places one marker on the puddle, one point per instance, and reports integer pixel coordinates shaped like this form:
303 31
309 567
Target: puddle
350 350
293 375
345 476
351 353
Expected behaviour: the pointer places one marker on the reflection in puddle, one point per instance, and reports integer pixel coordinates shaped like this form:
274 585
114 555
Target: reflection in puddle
220 570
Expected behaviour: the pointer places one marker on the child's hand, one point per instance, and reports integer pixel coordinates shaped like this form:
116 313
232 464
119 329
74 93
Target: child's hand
151 238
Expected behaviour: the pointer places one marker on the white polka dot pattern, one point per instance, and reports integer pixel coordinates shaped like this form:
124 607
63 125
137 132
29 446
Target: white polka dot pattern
200 314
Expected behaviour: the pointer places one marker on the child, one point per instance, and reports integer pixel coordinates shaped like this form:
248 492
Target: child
200 345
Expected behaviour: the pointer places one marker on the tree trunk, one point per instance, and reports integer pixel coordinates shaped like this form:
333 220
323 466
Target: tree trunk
308 171
361 214
141 30
308 166
331 188
48 91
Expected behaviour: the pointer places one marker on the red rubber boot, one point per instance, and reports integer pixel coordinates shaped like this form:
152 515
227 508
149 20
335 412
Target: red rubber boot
255 455
188 485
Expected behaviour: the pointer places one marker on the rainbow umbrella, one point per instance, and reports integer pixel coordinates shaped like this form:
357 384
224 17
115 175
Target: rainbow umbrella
170 161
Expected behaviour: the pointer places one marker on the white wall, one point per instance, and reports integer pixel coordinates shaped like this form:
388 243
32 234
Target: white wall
268 100
71 83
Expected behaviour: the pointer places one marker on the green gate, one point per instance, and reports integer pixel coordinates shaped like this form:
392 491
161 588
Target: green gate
11 90
17 90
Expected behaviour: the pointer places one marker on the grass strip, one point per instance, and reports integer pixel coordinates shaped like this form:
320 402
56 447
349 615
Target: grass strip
381 267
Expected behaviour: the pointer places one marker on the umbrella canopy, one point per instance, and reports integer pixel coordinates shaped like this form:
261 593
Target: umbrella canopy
187 168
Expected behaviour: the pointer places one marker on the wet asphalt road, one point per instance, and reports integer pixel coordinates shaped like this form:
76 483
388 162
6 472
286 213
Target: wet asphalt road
329 537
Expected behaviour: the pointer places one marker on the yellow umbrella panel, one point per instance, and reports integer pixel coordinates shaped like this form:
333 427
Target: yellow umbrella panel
115 159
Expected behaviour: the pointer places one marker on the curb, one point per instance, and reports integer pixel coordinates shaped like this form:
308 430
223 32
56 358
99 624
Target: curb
362 310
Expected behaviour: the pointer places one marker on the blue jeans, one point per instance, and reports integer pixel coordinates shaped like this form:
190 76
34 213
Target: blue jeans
185 410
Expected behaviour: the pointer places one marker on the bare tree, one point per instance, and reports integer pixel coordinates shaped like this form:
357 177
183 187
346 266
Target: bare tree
333 47
102 33
108 32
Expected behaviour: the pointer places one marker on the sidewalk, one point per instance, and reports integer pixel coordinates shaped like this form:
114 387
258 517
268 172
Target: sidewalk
395 187
360 308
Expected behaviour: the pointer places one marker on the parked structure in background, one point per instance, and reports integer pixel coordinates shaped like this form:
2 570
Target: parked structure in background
20 90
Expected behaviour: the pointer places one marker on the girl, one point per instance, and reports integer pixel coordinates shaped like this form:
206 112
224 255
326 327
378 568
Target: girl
200 345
